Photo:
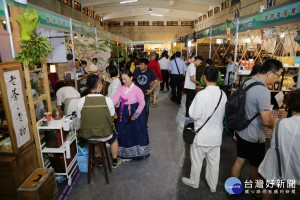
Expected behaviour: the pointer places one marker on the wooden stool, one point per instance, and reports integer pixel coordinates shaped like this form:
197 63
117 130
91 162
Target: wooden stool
93 160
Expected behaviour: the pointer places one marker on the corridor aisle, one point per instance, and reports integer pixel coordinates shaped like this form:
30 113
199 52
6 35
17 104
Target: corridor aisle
151 178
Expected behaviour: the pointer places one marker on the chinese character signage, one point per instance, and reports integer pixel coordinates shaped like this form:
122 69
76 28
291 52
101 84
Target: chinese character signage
81 28
46 19
219 29
272 17
17 107
203 33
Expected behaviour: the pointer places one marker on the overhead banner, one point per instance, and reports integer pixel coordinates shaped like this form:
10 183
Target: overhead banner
219 29
2 8
271 17
203 33
82 28
145 42
45 18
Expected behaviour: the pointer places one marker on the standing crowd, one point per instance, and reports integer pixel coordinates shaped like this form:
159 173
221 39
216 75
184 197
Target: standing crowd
134 87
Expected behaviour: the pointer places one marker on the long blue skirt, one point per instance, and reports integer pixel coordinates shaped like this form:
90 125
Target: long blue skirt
133 135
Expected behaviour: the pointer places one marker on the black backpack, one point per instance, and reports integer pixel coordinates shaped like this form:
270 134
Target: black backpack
235 112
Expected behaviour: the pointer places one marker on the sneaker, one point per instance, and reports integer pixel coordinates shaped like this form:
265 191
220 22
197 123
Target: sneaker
213 190
154 105
187 181
116 164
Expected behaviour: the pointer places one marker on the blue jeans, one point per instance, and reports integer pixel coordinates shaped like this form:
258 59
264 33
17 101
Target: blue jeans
147 103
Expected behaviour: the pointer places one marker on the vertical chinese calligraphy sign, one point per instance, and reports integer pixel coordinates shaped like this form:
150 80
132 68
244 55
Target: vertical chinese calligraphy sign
12 85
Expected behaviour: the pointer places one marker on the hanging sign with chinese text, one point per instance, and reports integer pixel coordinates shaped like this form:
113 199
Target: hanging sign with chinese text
271 17
82 28
45 18
203 33
2 8
17 106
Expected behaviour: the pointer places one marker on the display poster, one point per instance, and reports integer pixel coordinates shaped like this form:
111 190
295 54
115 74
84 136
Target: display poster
17 106
2 8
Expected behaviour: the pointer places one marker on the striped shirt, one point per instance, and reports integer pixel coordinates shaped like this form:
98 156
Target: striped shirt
113 87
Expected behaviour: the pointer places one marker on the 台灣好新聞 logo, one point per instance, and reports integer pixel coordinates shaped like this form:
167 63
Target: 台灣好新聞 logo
233 185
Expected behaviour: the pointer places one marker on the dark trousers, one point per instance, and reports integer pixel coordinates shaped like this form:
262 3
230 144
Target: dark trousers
176 85
190 95
147 103
165 77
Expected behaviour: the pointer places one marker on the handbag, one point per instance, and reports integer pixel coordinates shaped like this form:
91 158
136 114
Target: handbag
277 148
181 76
188 131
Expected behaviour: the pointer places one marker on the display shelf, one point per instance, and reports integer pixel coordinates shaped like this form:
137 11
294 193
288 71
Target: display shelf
53 124
61 149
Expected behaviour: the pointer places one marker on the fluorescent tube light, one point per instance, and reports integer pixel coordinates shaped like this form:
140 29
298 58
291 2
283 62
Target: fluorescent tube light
158 15
129 1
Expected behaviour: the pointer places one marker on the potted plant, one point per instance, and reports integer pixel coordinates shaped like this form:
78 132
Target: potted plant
35 49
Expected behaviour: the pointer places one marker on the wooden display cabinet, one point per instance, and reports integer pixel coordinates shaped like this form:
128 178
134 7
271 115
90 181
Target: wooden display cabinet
18 157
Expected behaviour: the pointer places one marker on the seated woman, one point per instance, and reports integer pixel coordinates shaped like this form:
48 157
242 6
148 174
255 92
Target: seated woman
77 68
67 96
131 123
289 149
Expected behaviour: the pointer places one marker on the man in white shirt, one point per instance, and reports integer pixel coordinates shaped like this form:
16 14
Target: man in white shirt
164 64
231 66
191 82
93 67
68 96
208 140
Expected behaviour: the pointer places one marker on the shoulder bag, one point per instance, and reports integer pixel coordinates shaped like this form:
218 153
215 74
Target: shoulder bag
277 148
189 133
181 76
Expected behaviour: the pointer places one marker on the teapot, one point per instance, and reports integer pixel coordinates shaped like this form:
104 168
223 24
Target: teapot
57 114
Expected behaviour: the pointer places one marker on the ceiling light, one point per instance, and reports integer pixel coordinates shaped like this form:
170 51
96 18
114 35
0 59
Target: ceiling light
282 35
4 22
175 44
129 1
248 40
158 15
189 43
150 10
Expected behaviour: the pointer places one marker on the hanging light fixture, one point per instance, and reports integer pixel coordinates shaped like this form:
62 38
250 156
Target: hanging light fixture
150 10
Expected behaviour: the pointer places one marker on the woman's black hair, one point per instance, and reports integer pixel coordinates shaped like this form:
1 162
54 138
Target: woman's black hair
294 102
91 83
59 85
128 73
112 70
209 62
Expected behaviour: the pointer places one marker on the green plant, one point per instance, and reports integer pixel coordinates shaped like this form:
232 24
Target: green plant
35 49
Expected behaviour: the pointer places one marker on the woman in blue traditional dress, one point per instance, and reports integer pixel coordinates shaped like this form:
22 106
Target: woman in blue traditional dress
131 123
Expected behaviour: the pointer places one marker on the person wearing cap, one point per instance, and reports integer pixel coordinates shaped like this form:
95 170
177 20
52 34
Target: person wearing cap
229 58
154 66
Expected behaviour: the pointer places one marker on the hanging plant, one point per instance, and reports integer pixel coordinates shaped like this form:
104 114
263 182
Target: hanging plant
35 49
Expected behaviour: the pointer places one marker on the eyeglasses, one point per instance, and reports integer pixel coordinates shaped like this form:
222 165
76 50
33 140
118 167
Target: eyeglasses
278 75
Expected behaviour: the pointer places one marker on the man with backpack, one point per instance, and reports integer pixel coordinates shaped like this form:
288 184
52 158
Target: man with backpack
248 112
